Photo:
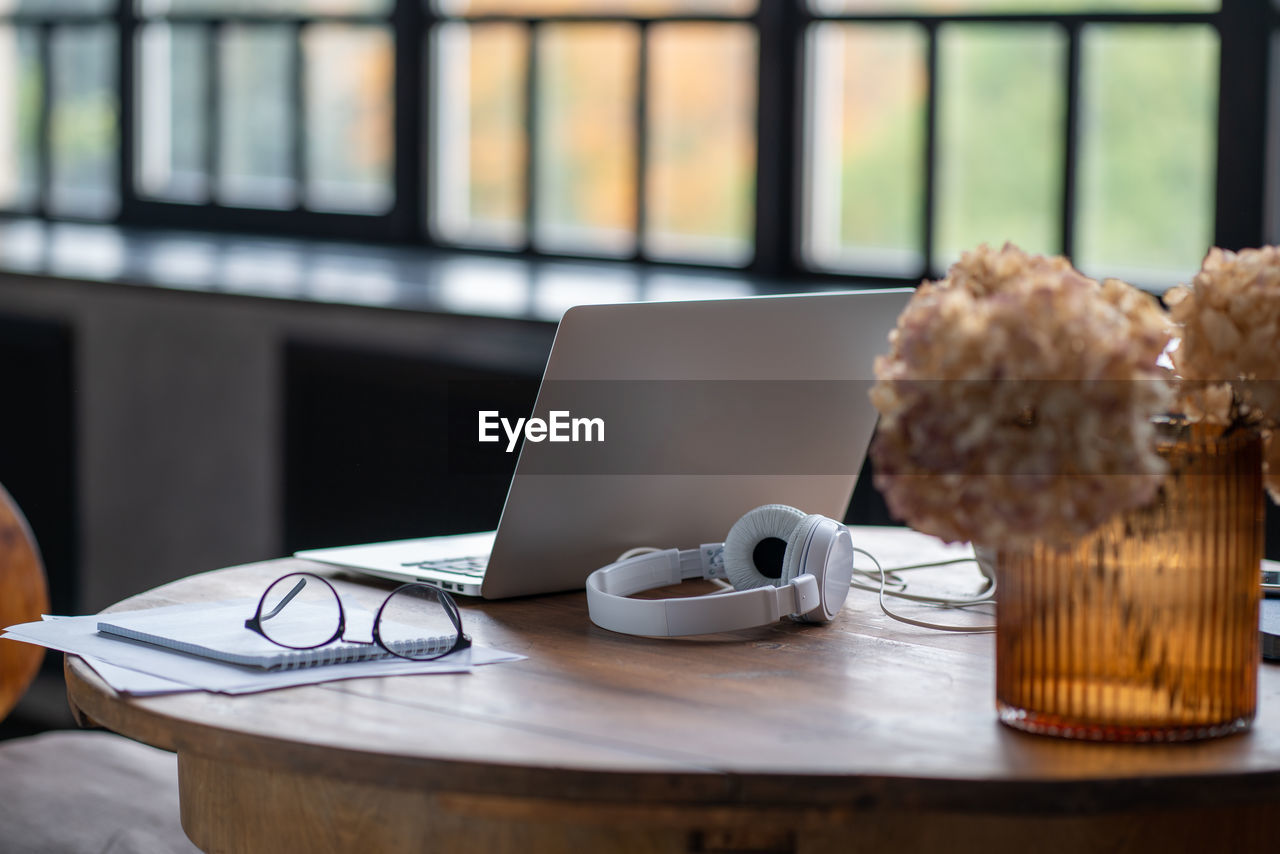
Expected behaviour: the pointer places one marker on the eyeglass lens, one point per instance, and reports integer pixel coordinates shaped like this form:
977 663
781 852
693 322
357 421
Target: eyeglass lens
300 611
419 622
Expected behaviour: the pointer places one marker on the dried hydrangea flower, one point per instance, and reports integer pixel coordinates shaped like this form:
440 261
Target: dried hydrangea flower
1229 354
1016 401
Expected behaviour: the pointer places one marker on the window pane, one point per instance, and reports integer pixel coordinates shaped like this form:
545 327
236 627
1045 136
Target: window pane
596 7
479 142
1001 120
264 7
83 126
56 7
20 89
349 118
586 191
864 179
255 143
173 129
702 152
956 7
1148 119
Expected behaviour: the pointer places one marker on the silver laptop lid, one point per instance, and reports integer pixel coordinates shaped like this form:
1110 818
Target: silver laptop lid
709 408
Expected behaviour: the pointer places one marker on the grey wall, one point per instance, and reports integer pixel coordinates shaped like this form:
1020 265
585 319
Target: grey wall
178 408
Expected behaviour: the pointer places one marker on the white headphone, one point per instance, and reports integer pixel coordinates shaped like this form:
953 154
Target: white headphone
781 561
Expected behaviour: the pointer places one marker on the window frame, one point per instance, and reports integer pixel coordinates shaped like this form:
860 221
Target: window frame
1244 27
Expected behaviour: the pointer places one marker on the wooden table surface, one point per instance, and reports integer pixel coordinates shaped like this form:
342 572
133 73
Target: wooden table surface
862 734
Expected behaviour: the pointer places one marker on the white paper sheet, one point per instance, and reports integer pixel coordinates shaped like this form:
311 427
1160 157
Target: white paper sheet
134 682
79 635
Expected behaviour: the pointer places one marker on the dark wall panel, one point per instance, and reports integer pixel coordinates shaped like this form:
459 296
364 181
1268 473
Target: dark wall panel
867 506
381 446
37 443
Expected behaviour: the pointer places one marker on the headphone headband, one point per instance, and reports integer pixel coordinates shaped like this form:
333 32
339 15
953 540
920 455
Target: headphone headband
812 586
609 587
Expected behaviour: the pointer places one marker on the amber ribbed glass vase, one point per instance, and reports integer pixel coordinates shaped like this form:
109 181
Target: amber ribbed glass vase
1147 630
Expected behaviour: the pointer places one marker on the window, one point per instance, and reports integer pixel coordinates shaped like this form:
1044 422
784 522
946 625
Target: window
59 108
266 104
1085 132
867 138
623 129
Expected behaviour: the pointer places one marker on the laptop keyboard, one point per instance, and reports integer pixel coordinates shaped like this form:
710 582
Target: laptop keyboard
473 566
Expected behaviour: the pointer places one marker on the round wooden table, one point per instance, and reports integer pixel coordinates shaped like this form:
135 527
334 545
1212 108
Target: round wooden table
861 735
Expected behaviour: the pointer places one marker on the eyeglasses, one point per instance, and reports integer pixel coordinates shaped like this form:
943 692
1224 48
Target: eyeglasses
303 611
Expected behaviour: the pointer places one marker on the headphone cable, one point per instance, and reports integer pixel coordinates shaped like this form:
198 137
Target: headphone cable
987 595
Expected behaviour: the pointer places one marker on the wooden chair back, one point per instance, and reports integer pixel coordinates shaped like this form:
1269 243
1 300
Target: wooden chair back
23 598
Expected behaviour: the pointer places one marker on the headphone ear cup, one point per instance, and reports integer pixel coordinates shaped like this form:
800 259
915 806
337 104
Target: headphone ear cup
795 547
772 521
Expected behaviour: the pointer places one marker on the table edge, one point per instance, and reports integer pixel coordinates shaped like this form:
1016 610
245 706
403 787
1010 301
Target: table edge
99 704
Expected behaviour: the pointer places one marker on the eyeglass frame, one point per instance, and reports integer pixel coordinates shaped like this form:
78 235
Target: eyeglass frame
254 623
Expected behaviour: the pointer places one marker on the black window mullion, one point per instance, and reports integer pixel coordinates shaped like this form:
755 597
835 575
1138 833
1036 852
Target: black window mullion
640 132
127 58
930 146
213 33
1071 139
44 121
411 100
532 69
1245 33
298 113
779 29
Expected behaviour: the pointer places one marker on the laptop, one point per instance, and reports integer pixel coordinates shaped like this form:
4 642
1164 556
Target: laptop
704 409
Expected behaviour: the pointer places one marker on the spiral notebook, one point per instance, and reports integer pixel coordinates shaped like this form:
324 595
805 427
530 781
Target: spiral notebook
218 632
